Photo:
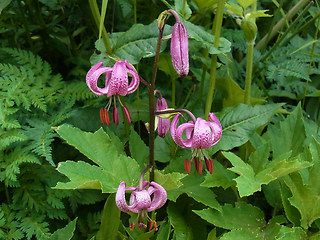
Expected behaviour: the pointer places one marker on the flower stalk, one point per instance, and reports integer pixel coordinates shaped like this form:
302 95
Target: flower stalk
217 32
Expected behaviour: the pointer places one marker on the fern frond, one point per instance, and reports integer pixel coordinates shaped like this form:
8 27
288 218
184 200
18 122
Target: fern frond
78 91
10 136
41 136
11 227
35 225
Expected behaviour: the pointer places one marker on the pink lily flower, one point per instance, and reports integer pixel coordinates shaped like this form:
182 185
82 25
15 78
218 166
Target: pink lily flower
200 135
179 46
163 124
141 202
116 83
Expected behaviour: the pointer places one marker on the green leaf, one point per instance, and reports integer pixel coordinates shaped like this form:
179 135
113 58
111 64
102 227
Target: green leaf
240 216
249 182
138 149
110 220
191 187
294 233
259 13
288 135
182 7
3 4
235 8
114 167
164 232
241 121
180 225
165 65
170 181
220 177
162 149
246 3
205 39
65 233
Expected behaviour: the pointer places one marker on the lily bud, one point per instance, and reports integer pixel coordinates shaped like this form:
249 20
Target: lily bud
179 46
249 28
163 124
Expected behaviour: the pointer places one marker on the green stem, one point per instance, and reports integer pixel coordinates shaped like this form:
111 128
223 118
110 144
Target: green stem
152 103
213 70
96 15
309 69
248 80
173 93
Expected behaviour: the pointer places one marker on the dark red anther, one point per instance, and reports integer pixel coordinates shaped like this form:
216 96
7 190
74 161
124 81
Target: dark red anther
115 116
102 116
195 161
127 114
211 166
200 168
207 162
106 117
187 165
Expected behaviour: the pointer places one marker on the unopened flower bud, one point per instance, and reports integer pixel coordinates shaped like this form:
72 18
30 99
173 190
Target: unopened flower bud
163 124
249 28
179 46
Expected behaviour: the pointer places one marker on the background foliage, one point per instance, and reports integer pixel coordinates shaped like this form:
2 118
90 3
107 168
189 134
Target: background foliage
59 168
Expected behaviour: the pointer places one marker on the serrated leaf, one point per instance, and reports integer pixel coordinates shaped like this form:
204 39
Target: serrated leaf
220 177
294 233
99 147
240 216
191 186
259 13
138 149
249 181
65 233
169 181
110 220
241 121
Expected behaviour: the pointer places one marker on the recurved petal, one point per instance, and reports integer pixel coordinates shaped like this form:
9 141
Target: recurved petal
134 84
121 198
118 84
202 135
92 79
177 138
216 128
188 128
159 197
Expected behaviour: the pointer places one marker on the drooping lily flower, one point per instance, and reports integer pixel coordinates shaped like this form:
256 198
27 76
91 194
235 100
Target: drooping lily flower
141 201
200 134
116 83
179 46
163 124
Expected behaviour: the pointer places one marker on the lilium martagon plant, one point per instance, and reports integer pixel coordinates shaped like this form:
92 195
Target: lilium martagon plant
200 135
116 83
146 197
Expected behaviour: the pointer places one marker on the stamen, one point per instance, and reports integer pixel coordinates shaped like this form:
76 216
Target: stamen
141 225
115 115
132 225
195 161
187 165
200 167
108 104
155 226
106 116
127 114
102 116
150 225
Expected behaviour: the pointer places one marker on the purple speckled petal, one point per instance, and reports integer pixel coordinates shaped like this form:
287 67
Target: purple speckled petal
93 76
139 200
216 128
133 86
189 126
159 197
121 198
201 135
163 124
179 49
173 130
118 84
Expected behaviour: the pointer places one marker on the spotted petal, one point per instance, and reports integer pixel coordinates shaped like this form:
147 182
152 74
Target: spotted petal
176 133
202 135
216 128
121 198
93 76
159 197
118 84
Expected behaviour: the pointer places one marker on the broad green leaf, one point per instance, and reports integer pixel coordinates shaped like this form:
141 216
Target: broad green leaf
220 177
232 93
241 121
138 149
235 8
191 187
110 220
65 233
304 199
162 149
170 181
249 181
206 5
164 232
182 7
212 235
165 65
240 216
114 167
3 4
246 3
205 39
288 135
179 223
138 42
294 233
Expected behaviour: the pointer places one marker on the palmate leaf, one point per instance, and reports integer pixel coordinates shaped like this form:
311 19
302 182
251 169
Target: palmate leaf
239 122
113 165
250 181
